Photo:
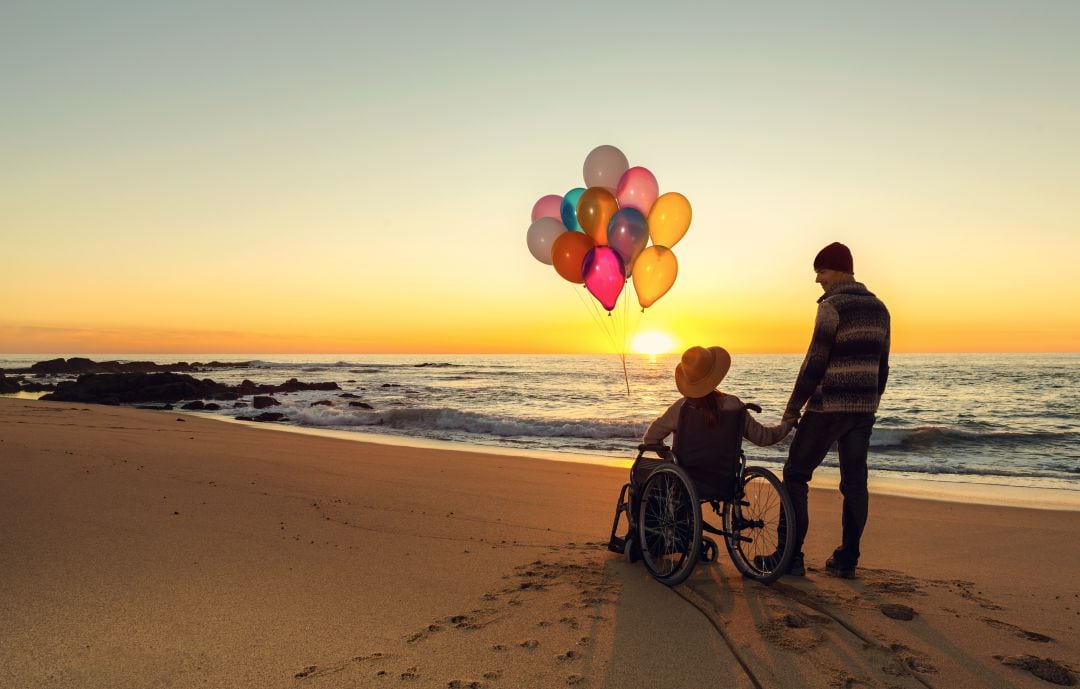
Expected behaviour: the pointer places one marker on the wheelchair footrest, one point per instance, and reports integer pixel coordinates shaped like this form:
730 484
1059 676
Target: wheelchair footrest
617 545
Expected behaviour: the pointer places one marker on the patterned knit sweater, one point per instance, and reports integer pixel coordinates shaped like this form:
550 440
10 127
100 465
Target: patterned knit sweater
847 364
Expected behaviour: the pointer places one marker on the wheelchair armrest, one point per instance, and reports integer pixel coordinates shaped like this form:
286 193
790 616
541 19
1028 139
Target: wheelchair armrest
752 407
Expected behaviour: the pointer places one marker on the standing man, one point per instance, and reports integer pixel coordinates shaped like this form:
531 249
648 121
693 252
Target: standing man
841 382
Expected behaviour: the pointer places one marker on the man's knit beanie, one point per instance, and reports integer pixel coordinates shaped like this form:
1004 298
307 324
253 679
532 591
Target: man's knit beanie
835 256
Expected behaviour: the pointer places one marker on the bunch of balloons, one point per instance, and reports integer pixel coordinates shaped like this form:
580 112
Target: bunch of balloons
599 234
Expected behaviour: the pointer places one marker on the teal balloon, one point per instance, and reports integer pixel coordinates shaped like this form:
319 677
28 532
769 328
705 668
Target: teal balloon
568 210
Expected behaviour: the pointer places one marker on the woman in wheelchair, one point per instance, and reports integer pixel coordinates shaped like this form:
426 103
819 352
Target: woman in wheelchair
706 455
698 377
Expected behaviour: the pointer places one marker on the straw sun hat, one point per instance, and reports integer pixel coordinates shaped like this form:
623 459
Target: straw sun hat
701 370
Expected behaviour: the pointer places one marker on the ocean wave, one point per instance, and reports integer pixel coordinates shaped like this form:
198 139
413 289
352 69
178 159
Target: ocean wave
923 437
444 419
933 468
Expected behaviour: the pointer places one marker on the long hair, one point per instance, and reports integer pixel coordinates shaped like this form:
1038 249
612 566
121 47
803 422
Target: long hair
709 406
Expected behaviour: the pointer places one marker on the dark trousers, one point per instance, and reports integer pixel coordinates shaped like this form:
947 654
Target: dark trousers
814 437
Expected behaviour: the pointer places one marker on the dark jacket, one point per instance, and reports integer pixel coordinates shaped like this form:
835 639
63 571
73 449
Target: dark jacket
847 364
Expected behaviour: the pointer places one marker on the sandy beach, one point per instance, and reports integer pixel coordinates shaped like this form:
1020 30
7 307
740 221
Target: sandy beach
155 549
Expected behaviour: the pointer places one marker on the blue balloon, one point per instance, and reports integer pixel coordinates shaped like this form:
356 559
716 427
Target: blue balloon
568 210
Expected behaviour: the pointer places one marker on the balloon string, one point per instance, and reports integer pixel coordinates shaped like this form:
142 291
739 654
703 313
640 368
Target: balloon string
626 323
594 313
607 323
637 324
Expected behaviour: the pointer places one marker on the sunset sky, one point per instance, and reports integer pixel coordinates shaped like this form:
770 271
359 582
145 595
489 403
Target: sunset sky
358 177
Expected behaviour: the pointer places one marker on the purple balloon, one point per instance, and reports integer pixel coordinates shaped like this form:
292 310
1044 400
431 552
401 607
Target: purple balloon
604 275
628 233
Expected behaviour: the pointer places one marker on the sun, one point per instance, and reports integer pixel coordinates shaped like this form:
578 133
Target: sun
652 343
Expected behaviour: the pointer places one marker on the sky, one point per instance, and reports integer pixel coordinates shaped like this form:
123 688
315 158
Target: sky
334 177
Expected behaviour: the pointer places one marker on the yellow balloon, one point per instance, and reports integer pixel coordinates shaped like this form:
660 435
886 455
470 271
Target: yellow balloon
654 274
669 219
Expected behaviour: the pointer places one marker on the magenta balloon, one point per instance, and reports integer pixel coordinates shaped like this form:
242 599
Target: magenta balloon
637 189
548 207
604 275
628 233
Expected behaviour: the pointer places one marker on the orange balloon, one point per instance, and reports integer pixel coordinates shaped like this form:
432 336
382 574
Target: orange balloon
654 274
568 255
594 211
669 219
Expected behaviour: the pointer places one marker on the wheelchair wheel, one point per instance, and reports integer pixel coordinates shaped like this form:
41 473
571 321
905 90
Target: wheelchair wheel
757 525
669 525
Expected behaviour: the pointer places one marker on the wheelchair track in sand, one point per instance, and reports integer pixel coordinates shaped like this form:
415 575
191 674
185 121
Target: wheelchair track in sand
884 630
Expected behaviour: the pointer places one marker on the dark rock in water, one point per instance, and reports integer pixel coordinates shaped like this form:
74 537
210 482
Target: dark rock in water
8 385
349 395
362 405
390 385
39 387
292 385
240 405
211 406
53 366
262 402
197 404
136 387
80 365
132 388
322 403
265 416
152 407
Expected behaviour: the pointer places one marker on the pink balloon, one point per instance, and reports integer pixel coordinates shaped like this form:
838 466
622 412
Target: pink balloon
637 189
548 207
604 275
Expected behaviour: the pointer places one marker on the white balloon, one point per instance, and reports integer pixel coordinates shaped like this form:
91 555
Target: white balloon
542 234
604 167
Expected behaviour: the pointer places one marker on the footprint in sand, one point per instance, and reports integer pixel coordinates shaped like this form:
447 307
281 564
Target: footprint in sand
912 660
794 631
305 672
530 644
897 612
1044 668
574 679
410 674
1022 633
463 684
567 657
966 591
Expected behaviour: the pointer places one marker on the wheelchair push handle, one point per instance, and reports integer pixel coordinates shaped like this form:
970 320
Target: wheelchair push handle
660 449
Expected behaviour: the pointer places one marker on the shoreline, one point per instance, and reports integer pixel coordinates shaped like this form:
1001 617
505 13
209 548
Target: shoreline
922 488
945 488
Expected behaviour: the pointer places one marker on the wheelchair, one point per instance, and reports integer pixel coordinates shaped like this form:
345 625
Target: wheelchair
664 498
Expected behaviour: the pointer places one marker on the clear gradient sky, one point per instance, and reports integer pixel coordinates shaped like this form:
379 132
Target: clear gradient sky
358 177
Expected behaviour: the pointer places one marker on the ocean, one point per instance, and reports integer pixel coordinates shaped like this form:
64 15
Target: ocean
1011 419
